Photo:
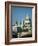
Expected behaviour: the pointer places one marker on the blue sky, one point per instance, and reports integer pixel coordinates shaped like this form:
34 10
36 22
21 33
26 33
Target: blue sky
19 13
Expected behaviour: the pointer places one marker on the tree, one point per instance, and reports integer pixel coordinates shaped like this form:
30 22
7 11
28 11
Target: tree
20 23
17 22
23 22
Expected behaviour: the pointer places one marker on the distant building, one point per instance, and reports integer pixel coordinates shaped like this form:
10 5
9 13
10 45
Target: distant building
27 23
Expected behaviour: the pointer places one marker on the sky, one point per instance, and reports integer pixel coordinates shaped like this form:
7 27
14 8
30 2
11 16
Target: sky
19 14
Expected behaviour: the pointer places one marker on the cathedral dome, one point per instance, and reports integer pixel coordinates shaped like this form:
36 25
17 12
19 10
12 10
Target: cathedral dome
27 17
